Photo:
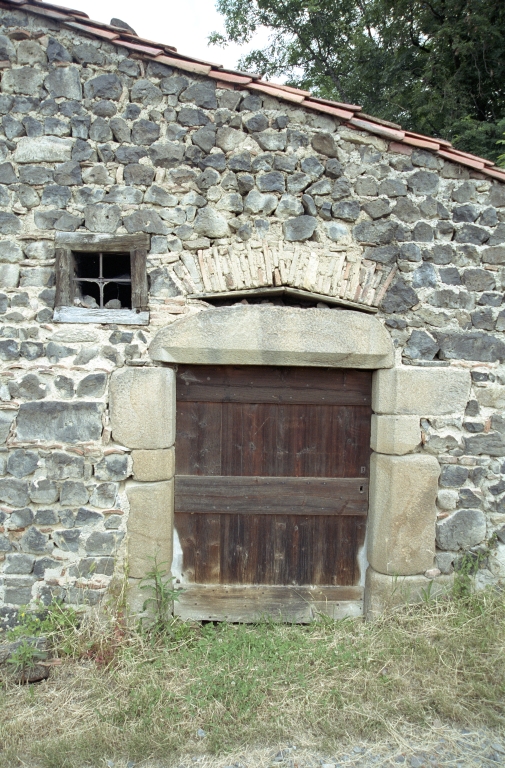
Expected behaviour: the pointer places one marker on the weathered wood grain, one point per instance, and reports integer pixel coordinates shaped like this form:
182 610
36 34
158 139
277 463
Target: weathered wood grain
271 495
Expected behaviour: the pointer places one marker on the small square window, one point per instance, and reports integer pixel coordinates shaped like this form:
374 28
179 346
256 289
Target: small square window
101 279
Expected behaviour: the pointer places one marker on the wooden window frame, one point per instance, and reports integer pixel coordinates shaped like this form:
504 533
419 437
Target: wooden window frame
137 246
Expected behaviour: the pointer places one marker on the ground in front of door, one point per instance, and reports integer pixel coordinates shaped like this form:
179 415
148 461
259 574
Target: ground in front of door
438 746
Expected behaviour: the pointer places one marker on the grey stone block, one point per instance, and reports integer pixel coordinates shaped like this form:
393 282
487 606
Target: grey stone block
14 492
21 518
22 463
300 228
104 495
88 517
102 217
73 493
67 540
107 86
92 385
463 529
46 517
60 421
210 223
99 544
399 297
18 563
43 491
35 541
112 467
471 233
202 94
488 444
145 220
473 345
6 421
423 183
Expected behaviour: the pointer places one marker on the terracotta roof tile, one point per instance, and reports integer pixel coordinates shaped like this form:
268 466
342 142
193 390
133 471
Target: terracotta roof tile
341 105
422 143
272 90
470 156
46 12
93 30
448 155
433 139
226 77
380 130
372 119
400 141
187 66
139 48
327 109
495 173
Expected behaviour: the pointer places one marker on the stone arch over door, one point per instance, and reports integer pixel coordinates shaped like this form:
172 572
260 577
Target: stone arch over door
403 482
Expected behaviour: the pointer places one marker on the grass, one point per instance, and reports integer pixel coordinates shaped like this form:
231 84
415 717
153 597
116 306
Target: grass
124 694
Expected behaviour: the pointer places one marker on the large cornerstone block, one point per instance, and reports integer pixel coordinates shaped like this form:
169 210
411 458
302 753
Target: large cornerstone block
253 335
142 407
150 466
395 434
423 391
383 592
150 526
402 516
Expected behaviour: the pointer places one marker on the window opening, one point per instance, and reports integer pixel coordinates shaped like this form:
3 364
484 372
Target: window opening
103 280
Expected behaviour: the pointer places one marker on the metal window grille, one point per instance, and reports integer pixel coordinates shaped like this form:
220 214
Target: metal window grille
101 280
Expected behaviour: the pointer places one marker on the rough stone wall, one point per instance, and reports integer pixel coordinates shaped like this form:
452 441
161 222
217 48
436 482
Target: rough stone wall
94 140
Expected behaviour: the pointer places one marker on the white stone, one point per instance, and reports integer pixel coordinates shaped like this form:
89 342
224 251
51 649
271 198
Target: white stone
265 335
43 149
150 526
447 499
153 466
420 391
395 434
492 396
385 592
9 275
142 407
402 513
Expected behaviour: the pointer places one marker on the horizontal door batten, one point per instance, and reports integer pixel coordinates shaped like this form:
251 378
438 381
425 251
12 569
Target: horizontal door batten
277 385
270 495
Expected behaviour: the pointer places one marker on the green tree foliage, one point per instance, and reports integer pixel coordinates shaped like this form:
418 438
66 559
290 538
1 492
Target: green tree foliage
434 67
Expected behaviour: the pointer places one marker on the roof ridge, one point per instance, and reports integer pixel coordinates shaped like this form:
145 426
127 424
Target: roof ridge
351 114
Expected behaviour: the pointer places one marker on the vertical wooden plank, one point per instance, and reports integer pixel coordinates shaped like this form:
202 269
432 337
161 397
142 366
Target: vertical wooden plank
198 439
208 549
64 273
138 271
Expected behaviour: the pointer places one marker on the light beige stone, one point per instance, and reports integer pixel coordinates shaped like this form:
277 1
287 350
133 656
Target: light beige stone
395 435
492 396
150 526
266 335
402 513
152 466
142 407
383 592
420 391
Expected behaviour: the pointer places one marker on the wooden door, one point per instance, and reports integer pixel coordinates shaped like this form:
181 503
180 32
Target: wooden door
271 489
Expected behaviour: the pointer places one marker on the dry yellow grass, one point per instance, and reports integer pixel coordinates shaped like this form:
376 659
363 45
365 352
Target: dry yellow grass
125 695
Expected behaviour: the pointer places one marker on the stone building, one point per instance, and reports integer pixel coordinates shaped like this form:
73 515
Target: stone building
160 213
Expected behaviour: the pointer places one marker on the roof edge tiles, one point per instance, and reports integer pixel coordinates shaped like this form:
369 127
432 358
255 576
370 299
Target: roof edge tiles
351 114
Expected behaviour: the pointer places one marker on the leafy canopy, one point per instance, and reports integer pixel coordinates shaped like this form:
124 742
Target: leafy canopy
434 67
